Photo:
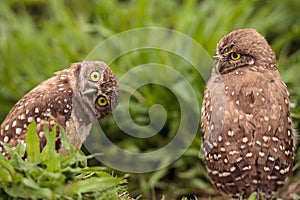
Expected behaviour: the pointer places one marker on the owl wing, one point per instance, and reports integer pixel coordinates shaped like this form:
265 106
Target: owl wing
48 103
213 111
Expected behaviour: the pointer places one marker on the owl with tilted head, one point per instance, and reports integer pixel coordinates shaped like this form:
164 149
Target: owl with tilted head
74 98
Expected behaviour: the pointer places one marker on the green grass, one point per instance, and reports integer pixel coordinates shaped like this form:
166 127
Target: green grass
39 37
48 175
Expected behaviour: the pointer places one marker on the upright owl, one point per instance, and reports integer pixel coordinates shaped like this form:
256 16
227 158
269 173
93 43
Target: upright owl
75 98
248 135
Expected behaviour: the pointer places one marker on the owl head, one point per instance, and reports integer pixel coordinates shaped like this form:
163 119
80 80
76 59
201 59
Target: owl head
97 89
243 48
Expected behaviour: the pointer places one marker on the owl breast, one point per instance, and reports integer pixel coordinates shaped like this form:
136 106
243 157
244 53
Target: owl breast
80 131
247 132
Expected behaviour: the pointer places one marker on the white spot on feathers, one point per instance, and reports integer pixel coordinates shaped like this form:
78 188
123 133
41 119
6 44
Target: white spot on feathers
36 110
6 139
18 131
30 119
14 124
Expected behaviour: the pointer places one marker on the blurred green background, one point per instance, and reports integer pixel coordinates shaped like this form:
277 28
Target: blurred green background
39 37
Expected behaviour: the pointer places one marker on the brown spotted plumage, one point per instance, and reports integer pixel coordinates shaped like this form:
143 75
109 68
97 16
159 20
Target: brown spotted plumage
248 135
75 98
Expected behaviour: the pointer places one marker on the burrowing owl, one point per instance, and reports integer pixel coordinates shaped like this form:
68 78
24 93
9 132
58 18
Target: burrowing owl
248 135
75 98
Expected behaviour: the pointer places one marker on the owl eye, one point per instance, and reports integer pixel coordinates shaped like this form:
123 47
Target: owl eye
95 76
235 56
101 101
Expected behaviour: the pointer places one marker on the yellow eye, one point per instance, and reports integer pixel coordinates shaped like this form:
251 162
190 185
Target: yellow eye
95 76
101 101
235 56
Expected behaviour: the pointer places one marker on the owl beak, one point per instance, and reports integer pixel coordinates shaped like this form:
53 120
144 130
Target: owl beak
89 91
217 62
218 65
